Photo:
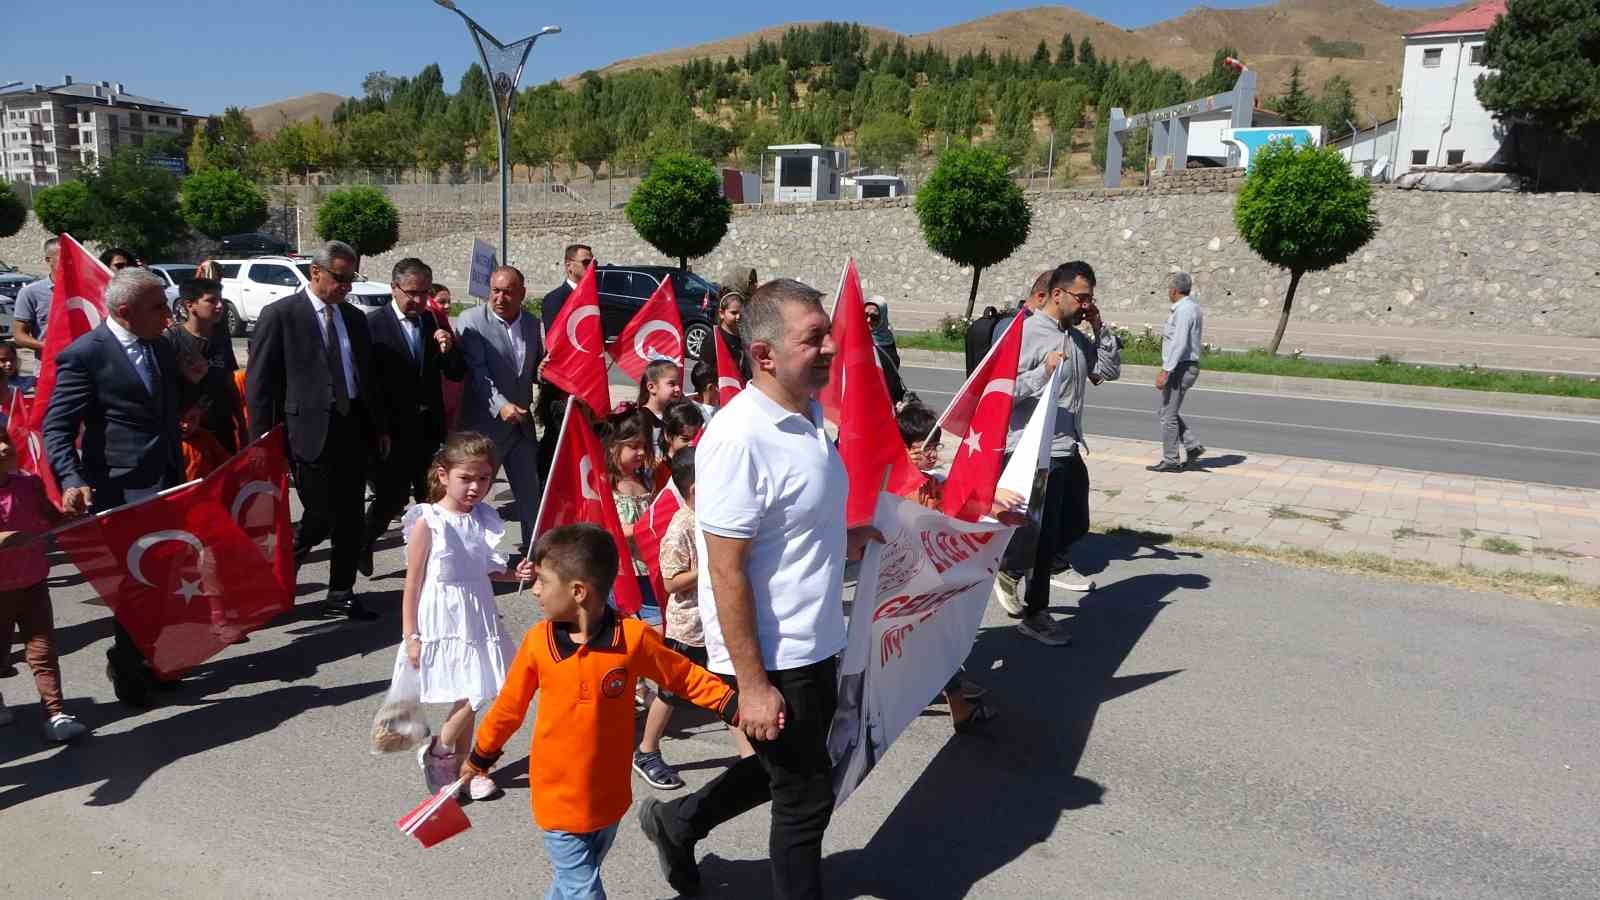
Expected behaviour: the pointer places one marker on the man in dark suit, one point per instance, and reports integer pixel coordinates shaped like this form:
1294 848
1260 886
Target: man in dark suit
311 369
123 387
409 354
552 400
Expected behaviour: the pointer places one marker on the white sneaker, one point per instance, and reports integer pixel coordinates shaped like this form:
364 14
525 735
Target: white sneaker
1044 629
1070 580
1008 592
5 714
63 728
482 787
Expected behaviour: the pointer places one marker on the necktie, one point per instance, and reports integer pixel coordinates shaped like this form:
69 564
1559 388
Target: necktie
414 333
341 389
147 367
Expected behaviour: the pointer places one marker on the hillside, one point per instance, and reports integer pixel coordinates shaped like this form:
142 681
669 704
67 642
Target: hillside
1272 38
269 117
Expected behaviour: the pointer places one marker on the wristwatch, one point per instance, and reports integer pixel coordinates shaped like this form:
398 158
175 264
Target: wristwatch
414 636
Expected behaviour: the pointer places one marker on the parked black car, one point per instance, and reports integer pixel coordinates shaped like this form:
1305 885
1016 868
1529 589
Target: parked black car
11 281
623 289
253 243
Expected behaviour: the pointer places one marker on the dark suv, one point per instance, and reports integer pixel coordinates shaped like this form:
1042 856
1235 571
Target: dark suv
624 289
253 243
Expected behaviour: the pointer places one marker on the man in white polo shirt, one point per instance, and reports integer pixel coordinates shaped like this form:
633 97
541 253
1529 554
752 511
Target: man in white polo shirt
772 535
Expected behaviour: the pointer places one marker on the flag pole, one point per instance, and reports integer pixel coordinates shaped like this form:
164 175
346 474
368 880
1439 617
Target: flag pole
544 494
961 391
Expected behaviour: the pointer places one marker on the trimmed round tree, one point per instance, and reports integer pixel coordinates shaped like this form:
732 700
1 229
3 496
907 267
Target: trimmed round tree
1300 209
678 209
13 215
219 202
362 217
63 208
972 213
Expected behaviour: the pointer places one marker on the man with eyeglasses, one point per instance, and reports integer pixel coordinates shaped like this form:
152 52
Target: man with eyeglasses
1051 338
32 309
311 370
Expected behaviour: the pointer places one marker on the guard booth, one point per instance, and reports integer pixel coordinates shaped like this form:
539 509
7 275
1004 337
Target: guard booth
872 187
1170 127
805 173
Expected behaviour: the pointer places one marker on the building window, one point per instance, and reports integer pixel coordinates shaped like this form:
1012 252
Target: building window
173 121
1477 54
1432 58
794 171
1455 157
1419 157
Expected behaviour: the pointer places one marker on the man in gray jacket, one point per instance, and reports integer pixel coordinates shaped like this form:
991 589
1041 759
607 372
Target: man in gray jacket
501 345
1180 366
1050 338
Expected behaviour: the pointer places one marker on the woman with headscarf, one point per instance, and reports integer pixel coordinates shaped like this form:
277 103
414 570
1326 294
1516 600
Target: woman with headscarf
883 341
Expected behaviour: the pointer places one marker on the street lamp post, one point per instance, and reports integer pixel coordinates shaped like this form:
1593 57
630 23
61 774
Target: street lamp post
503 64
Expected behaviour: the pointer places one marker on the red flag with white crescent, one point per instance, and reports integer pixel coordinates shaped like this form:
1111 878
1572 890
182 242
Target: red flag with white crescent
729 382
655 332
574 348
77 307
190 570
26 443
857 401
981 414
647 534
579 491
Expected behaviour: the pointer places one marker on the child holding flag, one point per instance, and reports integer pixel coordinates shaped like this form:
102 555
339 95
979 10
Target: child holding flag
583 660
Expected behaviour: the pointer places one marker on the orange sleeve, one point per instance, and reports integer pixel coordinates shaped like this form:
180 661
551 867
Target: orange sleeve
194 462
673 671
511 706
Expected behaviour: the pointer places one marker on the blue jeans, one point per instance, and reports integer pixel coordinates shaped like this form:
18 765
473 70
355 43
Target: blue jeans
577 859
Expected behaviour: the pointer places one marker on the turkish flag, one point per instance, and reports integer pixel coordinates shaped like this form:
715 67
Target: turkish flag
574 348
189 570
856 400
981 414
27 443
649 531
729 383
77 307
579 491
655 332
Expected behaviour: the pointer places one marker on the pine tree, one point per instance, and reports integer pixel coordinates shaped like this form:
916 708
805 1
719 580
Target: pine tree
1296 105
1066 54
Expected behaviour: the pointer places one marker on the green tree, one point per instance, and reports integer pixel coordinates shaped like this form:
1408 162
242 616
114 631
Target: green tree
227 141
1066 54
362 217
711 141
1335 110
886 140
678 208
1544 62
64 207
592 145
218 202
13 215
133 203
1041 59
1220 79
1300 209
1296 105
972 213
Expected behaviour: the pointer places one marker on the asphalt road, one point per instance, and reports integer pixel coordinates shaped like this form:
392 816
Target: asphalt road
1548 450
1220 728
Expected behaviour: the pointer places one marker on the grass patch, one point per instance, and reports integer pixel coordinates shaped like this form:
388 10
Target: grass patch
1495 544
1177 498
1381 371
1335 522
1556 553
1467 534
1557 589
1401 534
1112 493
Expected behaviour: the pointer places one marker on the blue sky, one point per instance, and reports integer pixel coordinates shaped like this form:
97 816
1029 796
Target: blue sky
209 54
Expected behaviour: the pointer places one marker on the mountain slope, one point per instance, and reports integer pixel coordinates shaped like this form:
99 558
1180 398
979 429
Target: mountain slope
269 117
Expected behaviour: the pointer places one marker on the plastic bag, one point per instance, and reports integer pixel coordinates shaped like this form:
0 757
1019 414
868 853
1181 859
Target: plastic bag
399 724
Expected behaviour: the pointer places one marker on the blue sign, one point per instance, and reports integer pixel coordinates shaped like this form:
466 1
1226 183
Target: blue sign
170 163
483 265
1244 141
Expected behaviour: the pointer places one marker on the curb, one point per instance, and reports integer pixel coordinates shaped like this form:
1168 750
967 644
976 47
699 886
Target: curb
1334 389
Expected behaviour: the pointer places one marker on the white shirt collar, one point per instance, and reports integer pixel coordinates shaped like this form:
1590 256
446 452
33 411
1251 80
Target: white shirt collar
124 337
514 319
402 316
572 284
777 412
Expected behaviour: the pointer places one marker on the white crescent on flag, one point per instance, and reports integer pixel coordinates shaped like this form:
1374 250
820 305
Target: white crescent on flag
999 386
585 478
137 550
725 382
578 315
649 328
268 545
88 310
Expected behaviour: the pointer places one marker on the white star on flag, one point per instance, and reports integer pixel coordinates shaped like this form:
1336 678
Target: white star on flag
973 443
187 589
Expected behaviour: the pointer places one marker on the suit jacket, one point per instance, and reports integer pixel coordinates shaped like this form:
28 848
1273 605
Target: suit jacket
493 379
130 438
553 301
409 389
288 379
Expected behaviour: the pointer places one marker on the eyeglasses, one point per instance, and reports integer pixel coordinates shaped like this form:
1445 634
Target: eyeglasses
1081 298
419 296
342 279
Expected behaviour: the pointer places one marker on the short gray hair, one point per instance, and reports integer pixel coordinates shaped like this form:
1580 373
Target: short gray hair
763 311
128 284
332 250
1182 282
51 243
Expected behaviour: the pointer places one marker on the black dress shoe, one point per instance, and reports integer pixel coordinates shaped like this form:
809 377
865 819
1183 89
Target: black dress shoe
1195 453
364 562
130 688
347 604
1165 466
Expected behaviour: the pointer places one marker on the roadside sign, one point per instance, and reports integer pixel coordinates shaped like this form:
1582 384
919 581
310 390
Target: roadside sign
483 265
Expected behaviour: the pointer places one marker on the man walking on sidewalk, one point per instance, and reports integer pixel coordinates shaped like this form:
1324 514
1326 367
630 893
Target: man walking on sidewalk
1180 366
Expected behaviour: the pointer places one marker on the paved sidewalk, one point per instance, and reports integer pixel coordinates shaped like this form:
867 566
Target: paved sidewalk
1282 501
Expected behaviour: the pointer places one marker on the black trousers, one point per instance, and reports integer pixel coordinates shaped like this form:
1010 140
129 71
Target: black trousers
332 489
398 480
793 772
548 408
1064 519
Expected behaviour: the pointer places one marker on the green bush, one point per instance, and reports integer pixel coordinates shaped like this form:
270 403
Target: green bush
63 208
972 213
678 208
133 203
13 215
218 202
954 328
362 217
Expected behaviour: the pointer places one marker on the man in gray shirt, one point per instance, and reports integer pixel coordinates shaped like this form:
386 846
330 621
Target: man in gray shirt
1050 339
1180 366
33 305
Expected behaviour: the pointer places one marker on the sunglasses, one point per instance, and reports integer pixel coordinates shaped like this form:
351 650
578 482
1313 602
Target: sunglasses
342 279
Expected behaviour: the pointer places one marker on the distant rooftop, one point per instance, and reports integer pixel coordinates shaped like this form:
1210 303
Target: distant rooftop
1475 20
102 90
798 147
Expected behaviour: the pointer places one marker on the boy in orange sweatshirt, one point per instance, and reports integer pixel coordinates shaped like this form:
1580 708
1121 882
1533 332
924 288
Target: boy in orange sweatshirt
584 660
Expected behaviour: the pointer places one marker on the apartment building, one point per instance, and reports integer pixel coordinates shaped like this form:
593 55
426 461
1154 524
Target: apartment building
48 133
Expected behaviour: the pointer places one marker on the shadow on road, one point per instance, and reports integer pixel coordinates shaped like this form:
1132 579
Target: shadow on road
1205 463
1093 553
984 801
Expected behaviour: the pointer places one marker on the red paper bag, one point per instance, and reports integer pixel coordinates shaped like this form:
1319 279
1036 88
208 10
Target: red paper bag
435 819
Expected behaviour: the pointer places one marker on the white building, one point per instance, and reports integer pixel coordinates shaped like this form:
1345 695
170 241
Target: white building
1205 135
805 173
872 187
1441 121
1371 151
48 133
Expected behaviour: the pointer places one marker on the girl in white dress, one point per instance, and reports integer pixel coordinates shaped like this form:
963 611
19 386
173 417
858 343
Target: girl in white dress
453 635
